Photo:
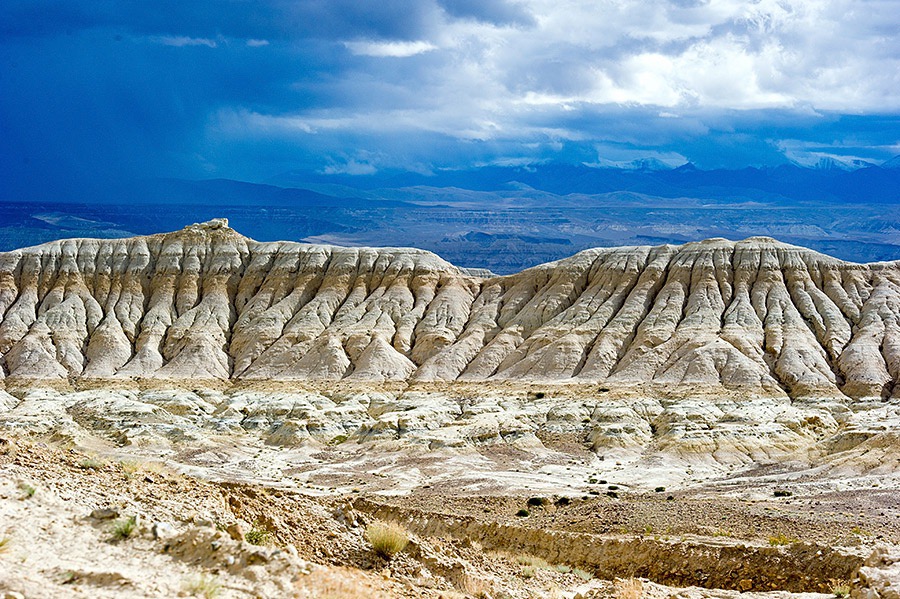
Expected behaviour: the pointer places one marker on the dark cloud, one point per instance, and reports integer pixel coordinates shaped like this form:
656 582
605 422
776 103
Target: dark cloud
106 89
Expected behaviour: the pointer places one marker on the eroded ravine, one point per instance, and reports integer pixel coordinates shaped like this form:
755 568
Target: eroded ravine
709 563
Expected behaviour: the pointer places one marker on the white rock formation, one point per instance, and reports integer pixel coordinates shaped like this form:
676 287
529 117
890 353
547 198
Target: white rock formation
207 303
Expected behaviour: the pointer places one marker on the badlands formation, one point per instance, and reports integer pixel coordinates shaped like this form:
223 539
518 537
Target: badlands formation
710 375
207 303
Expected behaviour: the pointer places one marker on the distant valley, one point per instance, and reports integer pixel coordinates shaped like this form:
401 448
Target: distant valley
502 219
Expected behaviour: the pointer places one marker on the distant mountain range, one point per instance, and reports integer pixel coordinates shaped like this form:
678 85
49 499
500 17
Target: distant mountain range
830 182
502 218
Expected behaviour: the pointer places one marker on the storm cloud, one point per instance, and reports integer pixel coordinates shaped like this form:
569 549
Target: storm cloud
101 90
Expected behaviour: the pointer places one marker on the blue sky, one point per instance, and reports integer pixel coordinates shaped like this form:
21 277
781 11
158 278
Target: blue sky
102 90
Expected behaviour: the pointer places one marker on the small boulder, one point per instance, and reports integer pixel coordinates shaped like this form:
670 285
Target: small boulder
105 513
163 530
235 531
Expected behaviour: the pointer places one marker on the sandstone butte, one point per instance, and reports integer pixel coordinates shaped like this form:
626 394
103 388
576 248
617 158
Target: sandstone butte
207 303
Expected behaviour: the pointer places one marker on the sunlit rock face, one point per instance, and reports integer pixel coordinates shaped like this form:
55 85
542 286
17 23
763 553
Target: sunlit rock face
206 303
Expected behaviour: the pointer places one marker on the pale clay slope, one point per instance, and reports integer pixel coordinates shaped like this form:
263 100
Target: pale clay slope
689 361
207 303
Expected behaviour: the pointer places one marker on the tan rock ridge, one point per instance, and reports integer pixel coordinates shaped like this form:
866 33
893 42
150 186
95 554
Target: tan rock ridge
208 303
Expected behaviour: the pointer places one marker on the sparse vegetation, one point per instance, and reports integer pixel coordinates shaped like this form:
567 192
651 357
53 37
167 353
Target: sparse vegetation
659 489
387 538
203 586
123 528
782 493
257 535
91 464
337 440
27 490
531 560
130 467
629 588
5 543
582 574
537 501
781 539
133 468
528 571
841 588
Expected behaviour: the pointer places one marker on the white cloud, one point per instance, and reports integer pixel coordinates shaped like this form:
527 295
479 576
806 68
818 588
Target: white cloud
683 69
831 54
180 41
351 167
257 43
389 49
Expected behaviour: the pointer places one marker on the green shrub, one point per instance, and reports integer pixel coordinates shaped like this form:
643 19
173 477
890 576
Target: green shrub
523 513
124 528
257 535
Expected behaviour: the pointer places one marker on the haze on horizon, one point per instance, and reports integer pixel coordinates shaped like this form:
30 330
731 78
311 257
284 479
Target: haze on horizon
100 91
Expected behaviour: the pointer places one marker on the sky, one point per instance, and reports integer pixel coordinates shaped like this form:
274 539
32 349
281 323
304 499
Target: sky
93 91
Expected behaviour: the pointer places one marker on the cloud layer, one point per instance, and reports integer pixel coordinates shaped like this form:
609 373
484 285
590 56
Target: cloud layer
248 90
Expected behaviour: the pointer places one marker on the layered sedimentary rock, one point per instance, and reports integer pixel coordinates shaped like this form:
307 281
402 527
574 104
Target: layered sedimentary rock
208 303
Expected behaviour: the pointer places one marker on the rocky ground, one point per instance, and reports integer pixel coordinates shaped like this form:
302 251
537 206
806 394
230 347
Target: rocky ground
66 531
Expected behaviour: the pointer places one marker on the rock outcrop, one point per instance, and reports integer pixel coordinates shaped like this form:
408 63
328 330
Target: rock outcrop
208 303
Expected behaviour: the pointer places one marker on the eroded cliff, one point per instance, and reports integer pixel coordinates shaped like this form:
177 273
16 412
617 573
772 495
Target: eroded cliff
208 303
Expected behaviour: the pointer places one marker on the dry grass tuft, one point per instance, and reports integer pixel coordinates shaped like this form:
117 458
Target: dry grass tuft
532 561
339 583
629 588
387 538
781 539
91 464
582 574
203 586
